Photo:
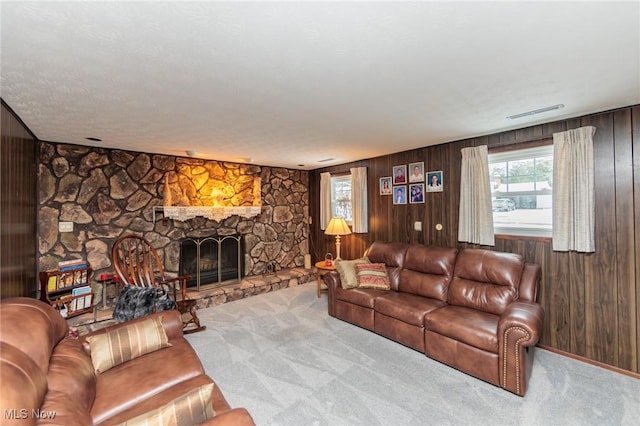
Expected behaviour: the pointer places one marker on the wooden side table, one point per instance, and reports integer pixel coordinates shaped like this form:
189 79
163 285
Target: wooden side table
105 282
321 270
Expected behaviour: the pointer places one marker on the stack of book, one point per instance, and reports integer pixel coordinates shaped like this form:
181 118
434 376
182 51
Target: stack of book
72 265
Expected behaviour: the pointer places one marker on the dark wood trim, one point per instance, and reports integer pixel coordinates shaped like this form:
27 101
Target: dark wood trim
523 145
523 238
590 361
18 119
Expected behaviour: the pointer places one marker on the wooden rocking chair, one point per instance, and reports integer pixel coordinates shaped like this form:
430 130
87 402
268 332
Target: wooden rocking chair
136 262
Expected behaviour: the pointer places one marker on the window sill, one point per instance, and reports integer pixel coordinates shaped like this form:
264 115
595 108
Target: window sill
539 238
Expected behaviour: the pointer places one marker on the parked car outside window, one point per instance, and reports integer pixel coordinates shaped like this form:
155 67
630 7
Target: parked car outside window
503 205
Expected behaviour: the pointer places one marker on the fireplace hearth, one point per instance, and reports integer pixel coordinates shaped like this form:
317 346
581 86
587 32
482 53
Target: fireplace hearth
212 259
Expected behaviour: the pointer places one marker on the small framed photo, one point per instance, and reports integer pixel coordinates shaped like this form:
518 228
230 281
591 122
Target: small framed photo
400 174
416 193
416 172
385 185
400 194
434 181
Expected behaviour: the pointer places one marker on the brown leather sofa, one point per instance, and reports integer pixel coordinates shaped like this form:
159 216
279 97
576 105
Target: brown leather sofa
474 310
48 377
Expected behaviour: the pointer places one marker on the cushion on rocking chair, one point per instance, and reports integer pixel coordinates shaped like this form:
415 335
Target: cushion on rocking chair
134 302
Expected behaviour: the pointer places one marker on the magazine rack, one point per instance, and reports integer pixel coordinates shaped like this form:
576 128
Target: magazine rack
68 291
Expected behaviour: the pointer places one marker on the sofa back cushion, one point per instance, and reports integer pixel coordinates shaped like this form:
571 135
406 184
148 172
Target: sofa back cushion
485 280
427 271
22 317
392 255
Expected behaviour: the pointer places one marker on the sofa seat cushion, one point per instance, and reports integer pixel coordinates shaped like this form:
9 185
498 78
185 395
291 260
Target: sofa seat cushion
359 296
406 307
163 398
475 328
127 384
191 408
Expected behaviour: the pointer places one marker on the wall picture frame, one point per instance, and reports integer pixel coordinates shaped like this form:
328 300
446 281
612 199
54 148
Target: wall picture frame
400 194
416 193
416 172
400 174
434 181
385 185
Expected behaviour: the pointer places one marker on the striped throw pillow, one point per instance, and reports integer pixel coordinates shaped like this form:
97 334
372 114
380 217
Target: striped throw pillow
126 343
372 275
192 408
347 271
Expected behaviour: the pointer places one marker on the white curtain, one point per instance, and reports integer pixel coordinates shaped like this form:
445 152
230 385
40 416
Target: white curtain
476 215
573 190
359 192
325 200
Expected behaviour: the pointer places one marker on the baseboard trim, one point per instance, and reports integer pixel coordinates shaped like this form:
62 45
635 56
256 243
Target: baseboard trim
590 361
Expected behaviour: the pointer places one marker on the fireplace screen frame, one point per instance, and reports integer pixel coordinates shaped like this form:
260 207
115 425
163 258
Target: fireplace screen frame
219 239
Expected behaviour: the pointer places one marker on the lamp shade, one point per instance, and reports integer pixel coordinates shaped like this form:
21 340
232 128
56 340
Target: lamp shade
337 226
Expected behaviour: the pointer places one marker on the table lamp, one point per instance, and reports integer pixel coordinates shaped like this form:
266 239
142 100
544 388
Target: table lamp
337 226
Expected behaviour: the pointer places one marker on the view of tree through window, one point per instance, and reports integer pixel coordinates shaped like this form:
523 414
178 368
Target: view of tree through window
341 197
521 191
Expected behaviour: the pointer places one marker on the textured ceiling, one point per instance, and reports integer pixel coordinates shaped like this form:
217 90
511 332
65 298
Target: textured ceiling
291 83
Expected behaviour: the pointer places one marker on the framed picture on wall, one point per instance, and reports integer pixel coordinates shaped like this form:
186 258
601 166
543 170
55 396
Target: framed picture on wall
400 194
400 174
416 193
434 181
416 172
385 185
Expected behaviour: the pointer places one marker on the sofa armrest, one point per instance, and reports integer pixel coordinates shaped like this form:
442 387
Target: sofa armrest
333 282
171 321
519 327
234 417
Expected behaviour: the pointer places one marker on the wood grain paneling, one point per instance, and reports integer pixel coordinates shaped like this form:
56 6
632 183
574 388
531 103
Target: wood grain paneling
591 301
18 196
635 124
600 299
625 243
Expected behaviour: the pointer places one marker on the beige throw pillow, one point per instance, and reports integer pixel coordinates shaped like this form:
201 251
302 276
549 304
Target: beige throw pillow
373 275
347 271
126 343
192 408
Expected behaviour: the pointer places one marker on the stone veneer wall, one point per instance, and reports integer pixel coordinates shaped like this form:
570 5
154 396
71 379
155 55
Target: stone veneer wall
107 193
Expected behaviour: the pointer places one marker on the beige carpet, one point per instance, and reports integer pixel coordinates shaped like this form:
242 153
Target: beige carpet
283 358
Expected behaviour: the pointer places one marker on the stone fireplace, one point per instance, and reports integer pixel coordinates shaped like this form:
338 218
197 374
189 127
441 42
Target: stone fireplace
212 259
109 193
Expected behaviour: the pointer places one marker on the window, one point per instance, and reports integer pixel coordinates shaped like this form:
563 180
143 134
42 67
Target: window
521 191
341 197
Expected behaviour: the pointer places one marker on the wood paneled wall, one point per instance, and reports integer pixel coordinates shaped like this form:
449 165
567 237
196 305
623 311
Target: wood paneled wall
591 301
18 213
